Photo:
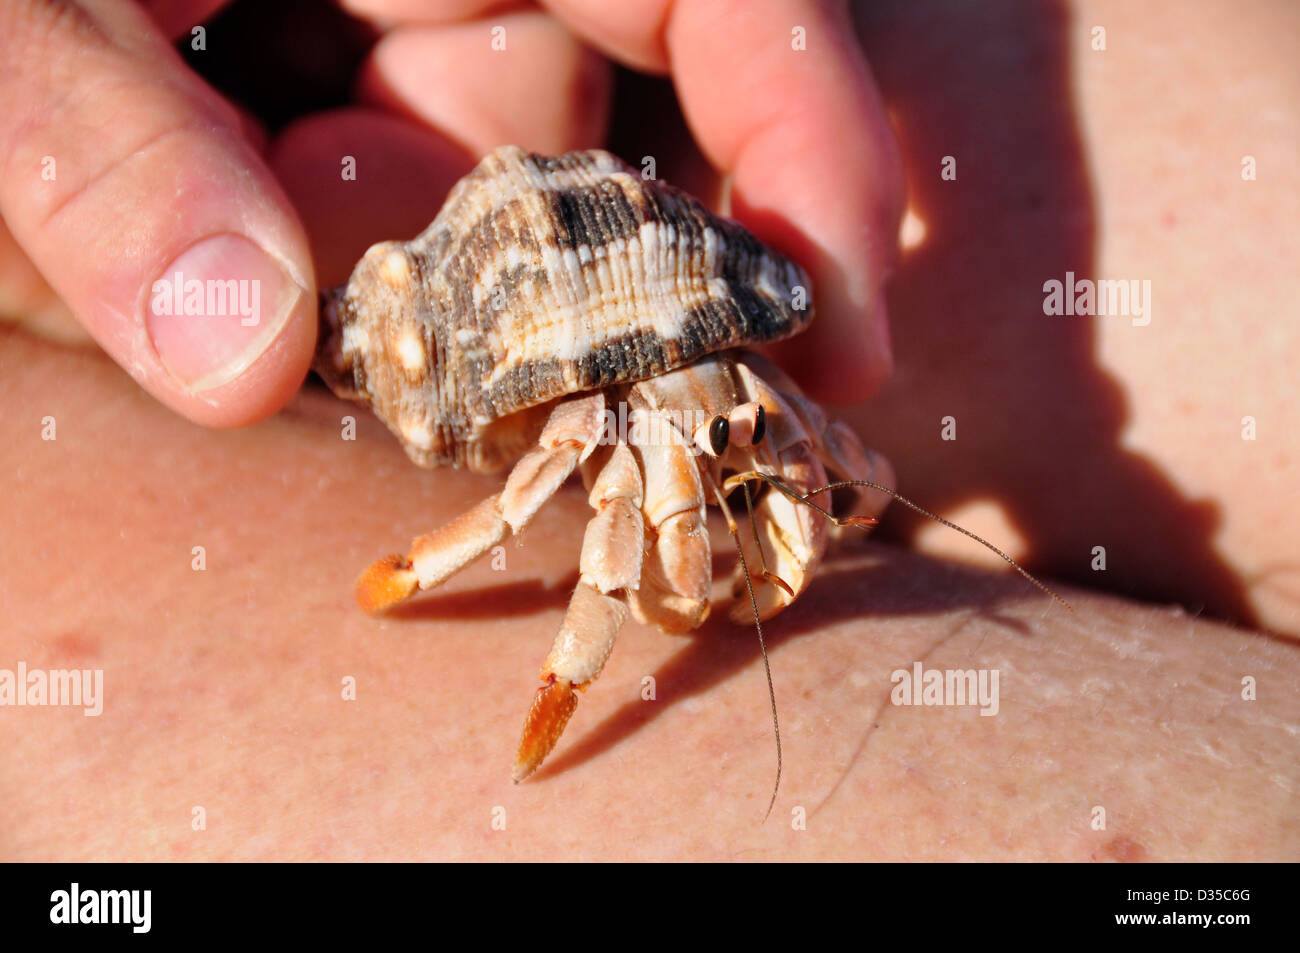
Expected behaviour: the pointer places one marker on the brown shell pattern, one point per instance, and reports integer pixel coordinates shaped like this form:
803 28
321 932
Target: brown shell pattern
543 277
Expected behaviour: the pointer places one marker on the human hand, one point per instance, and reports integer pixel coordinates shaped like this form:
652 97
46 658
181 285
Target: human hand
123 168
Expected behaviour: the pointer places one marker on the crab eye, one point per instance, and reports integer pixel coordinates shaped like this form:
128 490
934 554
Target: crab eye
719 432
760 424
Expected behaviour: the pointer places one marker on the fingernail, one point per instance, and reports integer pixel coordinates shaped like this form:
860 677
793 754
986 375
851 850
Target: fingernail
216 309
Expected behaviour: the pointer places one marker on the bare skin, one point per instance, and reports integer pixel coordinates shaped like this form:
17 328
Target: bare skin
1124 164
224 687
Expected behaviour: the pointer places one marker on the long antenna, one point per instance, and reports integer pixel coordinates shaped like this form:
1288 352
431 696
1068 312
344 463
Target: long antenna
758 624
744 478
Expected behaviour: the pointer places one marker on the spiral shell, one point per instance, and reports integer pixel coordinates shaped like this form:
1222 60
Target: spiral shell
542 277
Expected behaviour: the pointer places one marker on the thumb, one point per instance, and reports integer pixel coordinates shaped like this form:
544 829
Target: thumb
126 181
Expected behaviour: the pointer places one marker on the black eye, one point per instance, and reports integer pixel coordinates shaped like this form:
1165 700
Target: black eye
760 424
719 431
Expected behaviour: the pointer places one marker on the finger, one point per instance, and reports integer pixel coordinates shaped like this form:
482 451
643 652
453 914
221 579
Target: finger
176 18
428 11
520 78
361 177
633 31
814 166
128 184
27 299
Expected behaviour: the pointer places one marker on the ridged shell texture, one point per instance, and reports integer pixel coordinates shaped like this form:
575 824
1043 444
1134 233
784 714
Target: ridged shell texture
542 277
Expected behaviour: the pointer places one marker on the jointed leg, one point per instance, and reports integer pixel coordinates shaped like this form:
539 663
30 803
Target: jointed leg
569 436
612 551
846 457
791 536
678 572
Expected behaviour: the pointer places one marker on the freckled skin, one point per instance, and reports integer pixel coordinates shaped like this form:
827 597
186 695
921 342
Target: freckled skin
1125 850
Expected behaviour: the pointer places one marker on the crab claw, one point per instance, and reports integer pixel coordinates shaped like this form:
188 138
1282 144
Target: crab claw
386 583
552 708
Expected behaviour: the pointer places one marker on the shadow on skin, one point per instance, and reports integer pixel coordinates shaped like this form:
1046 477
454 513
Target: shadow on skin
990 85
871 724
489 602
862 584
859 580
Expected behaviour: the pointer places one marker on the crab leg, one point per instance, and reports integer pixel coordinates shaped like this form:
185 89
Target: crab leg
433 557
793 536
844 454
614 544
612 551
585 639
570 435
678 572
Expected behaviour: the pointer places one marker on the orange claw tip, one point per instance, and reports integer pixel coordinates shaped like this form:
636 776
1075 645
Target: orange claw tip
552 707
385 584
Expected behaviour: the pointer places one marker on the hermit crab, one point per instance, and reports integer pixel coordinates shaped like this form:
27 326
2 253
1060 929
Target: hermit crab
568 314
